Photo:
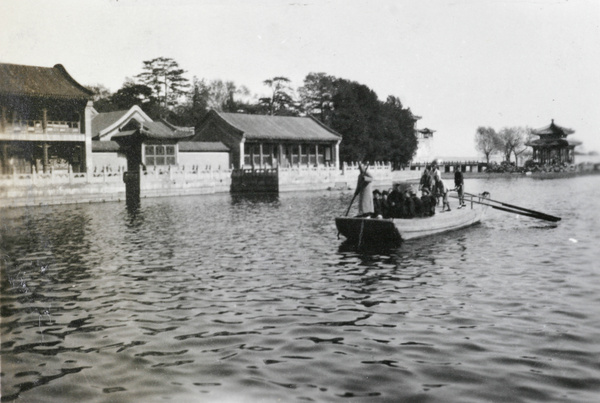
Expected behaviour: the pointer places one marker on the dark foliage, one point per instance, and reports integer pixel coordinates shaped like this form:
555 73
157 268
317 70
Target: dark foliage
372 130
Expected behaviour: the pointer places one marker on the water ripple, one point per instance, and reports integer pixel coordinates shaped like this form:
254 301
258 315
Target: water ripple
229 298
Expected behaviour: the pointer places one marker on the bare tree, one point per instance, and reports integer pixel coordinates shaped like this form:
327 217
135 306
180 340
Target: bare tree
221 94
487 141
522 149
513 141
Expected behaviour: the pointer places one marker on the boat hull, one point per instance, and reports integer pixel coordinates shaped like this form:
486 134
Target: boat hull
377 230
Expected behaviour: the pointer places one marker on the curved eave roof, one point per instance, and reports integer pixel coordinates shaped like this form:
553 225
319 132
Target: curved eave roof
105 146
553 143
52 82
154 131
202 146
107 122
553 130
162 131
266 127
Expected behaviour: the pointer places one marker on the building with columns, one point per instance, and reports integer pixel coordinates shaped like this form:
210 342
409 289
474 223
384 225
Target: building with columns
45 120
553 146
263 141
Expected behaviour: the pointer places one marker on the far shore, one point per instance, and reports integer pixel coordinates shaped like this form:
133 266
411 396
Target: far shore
533 175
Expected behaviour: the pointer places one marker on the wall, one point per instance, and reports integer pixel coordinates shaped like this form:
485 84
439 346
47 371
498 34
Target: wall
68 187
314 178
112 160
156 183
71 188
60 188
204 160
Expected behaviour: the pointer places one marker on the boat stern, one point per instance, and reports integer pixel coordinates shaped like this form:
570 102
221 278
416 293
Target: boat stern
368 230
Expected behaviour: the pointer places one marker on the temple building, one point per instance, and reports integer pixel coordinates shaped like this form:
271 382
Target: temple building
259 141
45 120
128 138
552 146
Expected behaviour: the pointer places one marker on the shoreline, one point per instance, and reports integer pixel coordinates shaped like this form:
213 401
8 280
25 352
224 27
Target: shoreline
532 175
61 195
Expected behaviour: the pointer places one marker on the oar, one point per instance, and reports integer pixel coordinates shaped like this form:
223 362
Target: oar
548 216
351 201
539 216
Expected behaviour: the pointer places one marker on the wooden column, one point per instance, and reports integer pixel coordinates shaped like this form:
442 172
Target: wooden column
5 158
3 124
242 155
44 119
45 162
317 154
299 155
261 163
281 157
273 164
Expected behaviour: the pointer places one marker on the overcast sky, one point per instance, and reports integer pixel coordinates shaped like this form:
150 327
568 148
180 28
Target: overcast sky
459 64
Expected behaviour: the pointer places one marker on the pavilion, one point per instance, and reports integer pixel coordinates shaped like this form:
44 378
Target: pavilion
553 147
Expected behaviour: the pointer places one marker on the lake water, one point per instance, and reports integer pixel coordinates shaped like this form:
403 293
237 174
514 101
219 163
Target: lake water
254 299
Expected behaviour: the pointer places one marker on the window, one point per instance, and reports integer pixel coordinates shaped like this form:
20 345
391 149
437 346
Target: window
160 155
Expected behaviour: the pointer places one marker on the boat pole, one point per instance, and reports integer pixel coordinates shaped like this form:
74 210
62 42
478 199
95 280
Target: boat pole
350 206
540 216
548 216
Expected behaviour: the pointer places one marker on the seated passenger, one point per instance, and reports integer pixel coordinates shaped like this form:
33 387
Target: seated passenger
385 204
409 206
395 202
377 203
418 205
428 205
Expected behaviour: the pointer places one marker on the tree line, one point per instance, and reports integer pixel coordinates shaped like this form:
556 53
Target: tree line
510 141
372 130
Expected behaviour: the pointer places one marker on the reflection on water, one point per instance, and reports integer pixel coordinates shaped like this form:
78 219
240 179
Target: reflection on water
253 298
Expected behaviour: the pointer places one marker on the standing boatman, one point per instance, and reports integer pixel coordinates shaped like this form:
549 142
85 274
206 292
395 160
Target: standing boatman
459 185
363 188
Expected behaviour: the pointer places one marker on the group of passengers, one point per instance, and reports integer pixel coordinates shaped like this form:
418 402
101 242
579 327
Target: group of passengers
397 203
394 203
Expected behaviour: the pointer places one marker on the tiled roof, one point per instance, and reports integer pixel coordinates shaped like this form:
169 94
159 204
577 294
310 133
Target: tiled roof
16 79
105 146
266 127
554 130
162 130
553 142
103 120
202 146
153 130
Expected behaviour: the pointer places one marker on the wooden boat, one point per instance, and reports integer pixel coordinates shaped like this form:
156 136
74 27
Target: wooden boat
394 230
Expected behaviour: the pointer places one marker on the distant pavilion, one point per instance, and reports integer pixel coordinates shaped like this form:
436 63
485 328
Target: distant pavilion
553 146
424 140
